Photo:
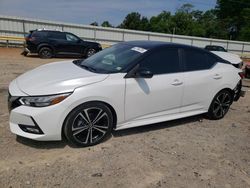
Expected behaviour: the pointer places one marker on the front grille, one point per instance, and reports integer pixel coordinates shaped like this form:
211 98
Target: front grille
13 102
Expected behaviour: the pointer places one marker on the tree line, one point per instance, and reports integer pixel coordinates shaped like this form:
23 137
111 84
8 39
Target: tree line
230 19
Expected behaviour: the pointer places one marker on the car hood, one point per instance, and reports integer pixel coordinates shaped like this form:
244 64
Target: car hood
232 58
59 77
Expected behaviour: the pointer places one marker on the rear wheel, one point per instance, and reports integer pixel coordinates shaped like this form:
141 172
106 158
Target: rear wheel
220 105
88 124
45 53
24 53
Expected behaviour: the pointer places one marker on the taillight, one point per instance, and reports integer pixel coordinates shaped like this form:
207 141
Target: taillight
30 38
242 75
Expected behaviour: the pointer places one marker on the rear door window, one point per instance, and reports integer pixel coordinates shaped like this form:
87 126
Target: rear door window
197 60
57 35
39 34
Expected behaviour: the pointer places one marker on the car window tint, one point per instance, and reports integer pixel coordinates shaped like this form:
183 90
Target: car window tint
162 61
197 60
70 37
39 34
211 59
57 35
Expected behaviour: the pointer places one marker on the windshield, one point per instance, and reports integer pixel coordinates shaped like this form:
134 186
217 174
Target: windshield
113 59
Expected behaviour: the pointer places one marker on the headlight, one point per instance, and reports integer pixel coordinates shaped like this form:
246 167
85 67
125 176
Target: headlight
42 101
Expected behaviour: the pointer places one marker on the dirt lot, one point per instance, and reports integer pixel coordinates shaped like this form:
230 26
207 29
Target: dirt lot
191 152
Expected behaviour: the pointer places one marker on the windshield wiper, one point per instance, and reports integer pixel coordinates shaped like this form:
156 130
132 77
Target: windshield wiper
78 63
91 69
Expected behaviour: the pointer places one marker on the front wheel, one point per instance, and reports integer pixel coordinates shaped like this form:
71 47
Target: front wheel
88 124
220 105
90 52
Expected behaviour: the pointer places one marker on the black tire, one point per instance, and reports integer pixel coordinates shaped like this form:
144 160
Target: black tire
220 105
24 53
90 52
80 126
45 53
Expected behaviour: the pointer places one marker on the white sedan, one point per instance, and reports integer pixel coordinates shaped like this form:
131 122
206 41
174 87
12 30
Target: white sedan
127 85
234 59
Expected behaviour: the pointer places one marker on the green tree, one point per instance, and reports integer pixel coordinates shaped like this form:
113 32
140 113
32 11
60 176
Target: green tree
144 24
183 21
162 23
132 21
245 29
215 23
94 24
106 24
231 13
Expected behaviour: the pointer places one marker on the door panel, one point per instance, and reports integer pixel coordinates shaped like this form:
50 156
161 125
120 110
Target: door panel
158 96
201 80
198 90
73 44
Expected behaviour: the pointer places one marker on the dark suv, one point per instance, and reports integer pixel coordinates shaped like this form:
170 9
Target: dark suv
49 43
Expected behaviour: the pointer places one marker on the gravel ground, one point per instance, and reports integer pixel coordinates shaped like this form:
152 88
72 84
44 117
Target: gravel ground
191 152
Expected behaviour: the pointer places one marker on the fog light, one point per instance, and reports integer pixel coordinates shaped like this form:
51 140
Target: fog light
34 129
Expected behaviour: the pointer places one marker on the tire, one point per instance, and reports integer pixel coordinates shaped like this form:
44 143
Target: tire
81 128
45 53
220 105
90 52
24 53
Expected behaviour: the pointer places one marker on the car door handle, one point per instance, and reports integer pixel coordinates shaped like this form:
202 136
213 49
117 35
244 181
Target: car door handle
177 82
217 76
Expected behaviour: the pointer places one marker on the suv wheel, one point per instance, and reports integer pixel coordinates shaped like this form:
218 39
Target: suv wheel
90 52
220 105
45 53
88 124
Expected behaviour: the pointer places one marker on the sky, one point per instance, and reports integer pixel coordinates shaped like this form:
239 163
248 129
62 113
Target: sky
88 11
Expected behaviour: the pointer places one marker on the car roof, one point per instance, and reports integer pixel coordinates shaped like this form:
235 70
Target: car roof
213 46
155 44
45 30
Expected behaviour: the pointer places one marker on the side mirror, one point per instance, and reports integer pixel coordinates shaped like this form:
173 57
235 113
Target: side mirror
144 73
136 72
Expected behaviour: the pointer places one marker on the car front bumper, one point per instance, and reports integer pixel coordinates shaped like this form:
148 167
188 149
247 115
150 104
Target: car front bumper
38 123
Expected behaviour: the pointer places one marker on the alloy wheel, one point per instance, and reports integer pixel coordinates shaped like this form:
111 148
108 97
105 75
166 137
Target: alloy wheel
90 125
221 104
91 52
46 53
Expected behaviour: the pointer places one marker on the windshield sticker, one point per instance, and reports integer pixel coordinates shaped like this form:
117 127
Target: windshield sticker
118 68
138 49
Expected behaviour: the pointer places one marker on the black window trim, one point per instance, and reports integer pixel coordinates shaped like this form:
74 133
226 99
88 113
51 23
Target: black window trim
181 59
